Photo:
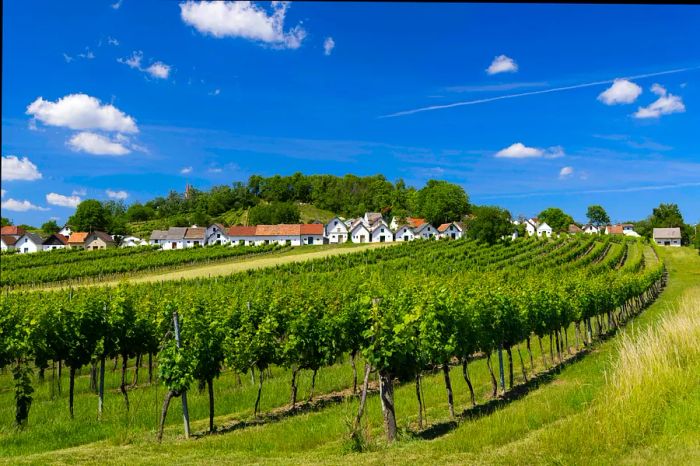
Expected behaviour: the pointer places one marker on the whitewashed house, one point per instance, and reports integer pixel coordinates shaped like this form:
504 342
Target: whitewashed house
370 218
7 242
405 233
28 243
544 230
216 234
158 237
425 231
453 230
413 222
174 238
132 241
667 236
336 231
195 236
65 231
241 236
55 241
591 229
530 226
290 235
359 233
380 232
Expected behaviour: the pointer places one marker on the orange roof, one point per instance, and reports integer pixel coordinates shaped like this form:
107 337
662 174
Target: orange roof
240 231
77 238
614 230
444 227
415 222
277 230
9 239
12 230
312 229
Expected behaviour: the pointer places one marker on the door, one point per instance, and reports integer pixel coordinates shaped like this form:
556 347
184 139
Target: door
173 245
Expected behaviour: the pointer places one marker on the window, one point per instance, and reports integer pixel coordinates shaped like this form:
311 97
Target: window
218 235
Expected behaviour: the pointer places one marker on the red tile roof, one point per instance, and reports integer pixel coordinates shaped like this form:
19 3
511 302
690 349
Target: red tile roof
415 222
77 237
195 233
9 240
614 230
240 231
12 230
312 229
278 230
444 227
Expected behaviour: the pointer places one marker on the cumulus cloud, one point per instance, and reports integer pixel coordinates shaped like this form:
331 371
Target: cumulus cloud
622 91
14 168
20 206
521 151
186 170
79 192
565 172
665 105
245 20
96 144
63 201
118 195
502 64
328 46
112 41
117 5
67 57
157 70
81 111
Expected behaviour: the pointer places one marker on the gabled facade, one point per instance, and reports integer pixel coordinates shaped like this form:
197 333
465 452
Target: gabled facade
425 231
29 243
216 234
591 229
404 233
544 230
65 231
359 233
195 236
55 241
336 231
667 236
174 238
99 240
453 230
380 232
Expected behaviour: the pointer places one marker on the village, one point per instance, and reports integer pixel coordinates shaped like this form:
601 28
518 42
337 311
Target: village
371 228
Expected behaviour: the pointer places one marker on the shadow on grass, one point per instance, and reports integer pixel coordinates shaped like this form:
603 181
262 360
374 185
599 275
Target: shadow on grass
317 404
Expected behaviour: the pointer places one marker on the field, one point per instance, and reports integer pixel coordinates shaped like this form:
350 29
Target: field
630 396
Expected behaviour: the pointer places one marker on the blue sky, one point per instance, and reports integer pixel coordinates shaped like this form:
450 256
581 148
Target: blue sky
560 105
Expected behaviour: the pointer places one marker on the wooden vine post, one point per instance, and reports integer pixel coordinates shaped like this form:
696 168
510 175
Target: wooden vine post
185 411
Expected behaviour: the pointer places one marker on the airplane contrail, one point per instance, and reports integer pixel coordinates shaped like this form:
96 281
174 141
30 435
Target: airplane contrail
523 94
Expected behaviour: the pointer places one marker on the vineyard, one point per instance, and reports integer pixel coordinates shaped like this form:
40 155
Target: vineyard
404 315
71 265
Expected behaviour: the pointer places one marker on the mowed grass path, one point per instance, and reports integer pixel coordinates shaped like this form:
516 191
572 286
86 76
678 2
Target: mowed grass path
563 421
234 265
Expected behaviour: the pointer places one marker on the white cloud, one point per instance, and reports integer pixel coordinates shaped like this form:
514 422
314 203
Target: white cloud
94 143
79 192
117 5
88 55
521 151
20 206
565 172
215 92
621 92
665 105
186 170
328 46
215 170
243 19
2 192
63 201
112 41
157 70
67 58
81 111
119 195
502 64
14 168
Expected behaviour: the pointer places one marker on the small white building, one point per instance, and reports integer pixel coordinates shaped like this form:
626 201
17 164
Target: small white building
174 238
425 231
216 234
591 229
381 233
336 231
405 233
195 236
157 237
7 242
55 241
241 236
667 236
132 241
453 230
544 230
359 233
530 226
28 243
65 231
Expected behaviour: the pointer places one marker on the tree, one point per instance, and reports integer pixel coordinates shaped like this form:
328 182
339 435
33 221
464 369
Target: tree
666 216
274 213
597 215
490 224
5 222
138 212
89 216
555 218
441 202
50 227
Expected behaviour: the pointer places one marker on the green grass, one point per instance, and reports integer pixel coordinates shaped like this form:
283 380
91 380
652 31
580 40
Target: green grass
563 421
